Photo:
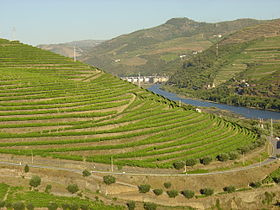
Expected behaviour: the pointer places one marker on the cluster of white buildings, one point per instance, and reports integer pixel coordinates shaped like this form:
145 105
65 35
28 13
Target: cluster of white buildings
146 79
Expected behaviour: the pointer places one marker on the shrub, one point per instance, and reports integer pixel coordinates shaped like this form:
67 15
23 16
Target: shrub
86 173
131 205
206 160
207 191
223 157
144 188
172 193
52 206
48 188
150 206
2 204
18 205
229 189
109 179
179 165
29 206
74 206
84 207
65 206
8 205
191 162
158 191
276 180
35 181
233 155
188 193
26 168
167 185
255 184
72 188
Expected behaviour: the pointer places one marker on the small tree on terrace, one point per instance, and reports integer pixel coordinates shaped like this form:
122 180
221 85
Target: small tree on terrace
109 179
206 160
187 194
26 168
35 181
191 162
72 188
179 165
86 173
144 188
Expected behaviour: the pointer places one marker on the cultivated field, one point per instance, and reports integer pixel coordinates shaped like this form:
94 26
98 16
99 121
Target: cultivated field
53 107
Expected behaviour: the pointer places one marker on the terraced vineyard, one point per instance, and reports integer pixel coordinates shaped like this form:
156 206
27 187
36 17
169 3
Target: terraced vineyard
53 107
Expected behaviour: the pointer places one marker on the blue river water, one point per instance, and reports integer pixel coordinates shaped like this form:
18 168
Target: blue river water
246 112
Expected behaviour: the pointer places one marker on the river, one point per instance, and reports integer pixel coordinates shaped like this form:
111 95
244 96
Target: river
246 112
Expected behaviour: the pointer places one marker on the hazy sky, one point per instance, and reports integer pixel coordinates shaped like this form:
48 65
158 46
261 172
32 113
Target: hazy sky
55 21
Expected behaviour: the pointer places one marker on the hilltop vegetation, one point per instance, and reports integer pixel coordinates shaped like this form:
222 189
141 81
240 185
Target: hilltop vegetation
51 106
158 49
242 69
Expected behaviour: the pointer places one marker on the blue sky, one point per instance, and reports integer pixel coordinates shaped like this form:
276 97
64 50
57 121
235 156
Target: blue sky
56 21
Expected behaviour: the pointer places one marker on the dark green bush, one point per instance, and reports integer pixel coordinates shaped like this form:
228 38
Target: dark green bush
86 173
172 193
191 162
187 193
52 206
223 157
233 155
29 206
179 165
150 206
167 185
72 188
255 184
109 179
158 191
131 205
229 189
206 160
207 191
35 181
144 188
18 205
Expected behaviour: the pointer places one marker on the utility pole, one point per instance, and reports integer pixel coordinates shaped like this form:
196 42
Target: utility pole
112 164
139 80
74 53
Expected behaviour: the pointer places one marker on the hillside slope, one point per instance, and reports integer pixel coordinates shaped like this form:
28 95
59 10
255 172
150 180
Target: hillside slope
66 49
242 69
53 107
158 49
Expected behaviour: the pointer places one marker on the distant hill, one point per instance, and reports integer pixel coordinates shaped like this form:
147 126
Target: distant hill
160 49
242 69
66 49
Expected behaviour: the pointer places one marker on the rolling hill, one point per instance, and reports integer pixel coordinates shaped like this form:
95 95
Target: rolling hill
242 69
157 50
66 49
53 107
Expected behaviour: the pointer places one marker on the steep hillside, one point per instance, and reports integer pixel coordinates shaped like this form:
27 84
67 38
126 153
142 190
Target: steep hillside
242 69
158 49
53 107
66 49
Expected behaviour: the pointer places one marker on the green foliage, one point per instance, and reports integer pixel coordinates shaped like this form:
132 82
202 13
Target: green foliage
144 188
35 181
109 179
131 205
229 189
29 206
18 205
167 185
158 191
84 207
268 198
26 168
179 165
255 184
206 160
223 157
191 162
2 204
172 193
150 206
72 188
86 173
207 191
233 155
187 194
48 188
52 206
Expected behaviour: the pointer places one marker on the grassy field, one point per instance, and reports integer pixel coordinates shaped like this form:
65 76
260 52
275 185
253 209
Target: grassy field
51 106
